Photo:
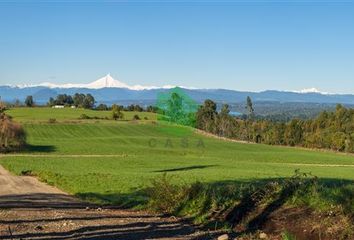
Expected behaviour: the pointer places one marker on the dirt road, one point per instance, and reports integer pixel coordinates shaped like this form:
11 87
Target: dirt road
30 209
10 184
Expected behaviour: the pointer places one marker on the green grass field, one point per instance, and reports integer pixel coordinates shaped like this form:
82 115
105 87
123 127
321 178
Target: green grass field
110 159
43 114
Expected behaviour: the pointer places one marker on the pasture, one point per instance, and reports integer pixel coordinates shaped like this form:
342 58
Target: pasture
111 161
43 114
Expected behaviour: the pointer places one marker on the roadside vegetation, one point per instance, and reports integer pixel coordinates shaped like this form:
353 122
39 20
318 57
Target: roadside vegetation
249 207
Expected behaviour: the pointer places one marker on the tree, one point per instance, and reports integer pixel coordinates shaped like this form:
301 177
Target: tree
102 107
69 100
226 123
130 108
51 102
29 101
116 113
152 109
331 130
89 102
17 103
249 107
250 116
294 133
138 108
175 106
134 108
120 107
136 117
349 143
339 141
61 99
79 99
206 116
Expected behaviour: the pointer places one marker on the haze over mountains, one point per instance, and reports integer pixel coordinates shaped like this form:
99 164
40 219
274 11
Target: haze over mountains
108 90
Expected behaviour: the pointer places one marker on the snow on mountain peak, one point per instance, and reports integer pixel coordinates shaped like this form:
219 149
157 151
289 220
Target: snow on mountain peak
311 90
105 82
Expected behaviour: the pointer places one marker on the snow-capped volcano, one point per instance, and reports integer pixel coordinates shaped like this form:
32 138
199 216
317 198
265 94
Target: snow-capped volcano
105 82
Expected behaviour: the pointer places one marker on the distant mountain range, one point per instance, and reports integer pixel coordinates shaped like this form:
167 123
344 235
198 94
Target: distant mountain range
108 90
105 82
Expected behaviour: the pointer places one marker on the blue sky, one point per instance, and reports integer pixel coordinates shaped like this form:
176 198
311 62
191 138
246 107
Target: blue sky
243 46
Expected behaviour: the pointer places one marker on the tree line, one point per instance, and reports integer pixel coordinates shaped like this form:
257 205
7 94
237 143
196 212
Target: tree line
78 100
128 108
329 130
86 101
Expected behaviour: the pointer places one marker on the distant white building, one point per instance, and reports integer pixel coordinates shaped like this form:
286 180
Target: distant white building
58 106
73 106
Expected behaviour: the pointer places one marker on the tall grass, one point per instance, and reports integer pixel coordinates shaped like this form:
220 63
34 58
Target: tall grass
206 203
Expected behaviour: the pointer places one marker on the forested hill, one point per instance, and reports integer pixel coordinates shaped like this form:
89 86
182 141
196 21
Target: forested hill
329 130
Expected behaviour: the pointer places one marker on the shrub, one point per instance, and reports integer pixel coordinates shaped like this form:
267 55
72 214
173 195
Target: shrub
52 120
27 173
164 196
3 107
116 113
29 101
84 116
12 135
204 201
136 117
